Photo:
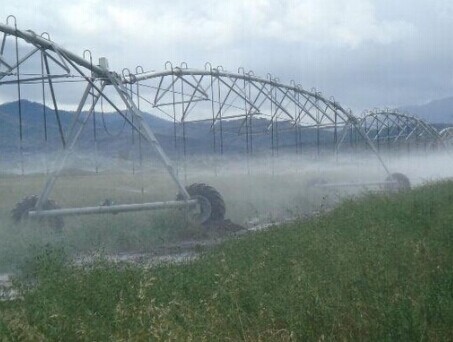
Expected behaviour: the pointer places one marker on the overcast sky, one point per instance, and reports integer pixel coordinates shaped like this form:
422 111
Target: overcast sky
366 53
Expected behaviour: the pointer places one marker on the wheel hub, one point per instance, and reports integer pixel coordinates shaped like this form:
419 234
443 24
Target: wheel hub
202 212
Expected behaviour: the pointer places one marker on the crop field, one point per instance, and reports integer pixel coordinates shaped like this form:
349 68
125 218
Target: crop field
377 267
355 262
257 198
266 194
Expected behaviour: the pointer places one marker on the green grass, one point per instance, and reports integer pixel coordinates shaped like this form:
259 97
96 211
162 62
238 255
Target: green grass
375 268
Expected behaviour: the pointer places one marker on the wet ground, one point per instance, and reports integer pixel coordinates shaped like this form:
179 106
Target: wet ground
6 291
182 252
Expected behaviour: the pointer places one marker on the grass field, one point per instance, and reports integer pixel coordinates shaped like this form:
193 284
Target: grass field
375 268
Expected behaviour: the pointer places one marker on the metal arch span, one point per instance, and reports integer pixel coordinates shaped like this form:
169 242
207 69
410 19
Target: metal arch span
185 95
215 95
392 127
447 135
246 90
311 106
250 105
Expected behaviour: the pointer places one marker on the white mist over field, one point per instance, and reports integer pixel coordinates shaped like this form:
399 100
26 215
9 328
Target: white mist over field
255 189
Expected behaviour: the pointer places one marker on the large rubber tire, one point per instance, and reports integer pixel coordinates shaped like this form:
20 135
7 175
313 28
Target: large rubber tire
400 182
212 196
20 212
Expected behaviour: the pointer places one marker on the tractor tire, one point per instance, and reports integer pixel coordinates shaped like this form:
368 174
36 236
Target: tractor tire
210 199
400 182
20 212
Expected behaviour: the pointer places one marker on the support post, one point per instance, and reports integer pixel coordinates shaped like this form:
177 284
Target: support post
146 131
73 137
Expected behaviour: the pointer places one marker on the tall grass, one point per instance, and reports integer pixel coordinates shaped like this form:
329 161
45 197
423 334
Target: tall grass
375 268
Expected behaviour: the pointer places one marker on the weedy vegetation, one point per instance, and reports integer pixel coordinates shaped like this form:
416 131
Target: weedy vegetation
378 267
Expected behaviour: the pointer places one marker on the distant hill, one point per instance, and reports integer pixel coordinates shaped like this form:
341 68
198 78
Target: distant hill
437 111
114 138
33 119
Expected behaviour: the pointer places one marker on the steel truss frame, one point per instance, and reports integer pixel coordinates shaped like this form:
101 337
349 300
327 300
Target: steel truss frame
96 79
447 135
393 127
186 95
239 96
215 96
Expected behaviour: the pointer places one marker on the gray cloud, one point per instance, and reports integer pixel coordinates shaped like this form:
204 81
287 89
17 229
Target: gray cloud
367 53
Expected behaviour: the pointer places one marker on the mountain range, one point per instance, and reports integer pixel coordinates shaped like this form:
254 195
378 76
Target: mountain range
40 130
435 112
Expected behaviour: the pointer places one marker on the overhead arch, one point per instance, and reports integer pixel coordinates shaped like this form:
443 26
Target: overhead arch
447 135
391 127
181 94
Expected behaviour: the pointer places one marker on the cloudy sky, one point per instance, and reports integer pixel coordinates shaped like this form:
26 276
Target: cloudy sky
366 53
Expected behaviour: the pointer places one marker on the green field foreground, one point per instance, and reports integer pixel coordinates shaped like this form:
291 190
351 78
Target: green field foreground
379 267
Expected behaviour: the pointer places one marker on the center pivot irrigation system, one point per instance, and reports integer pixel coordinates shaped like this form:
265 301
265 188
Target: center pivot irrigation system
211 95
